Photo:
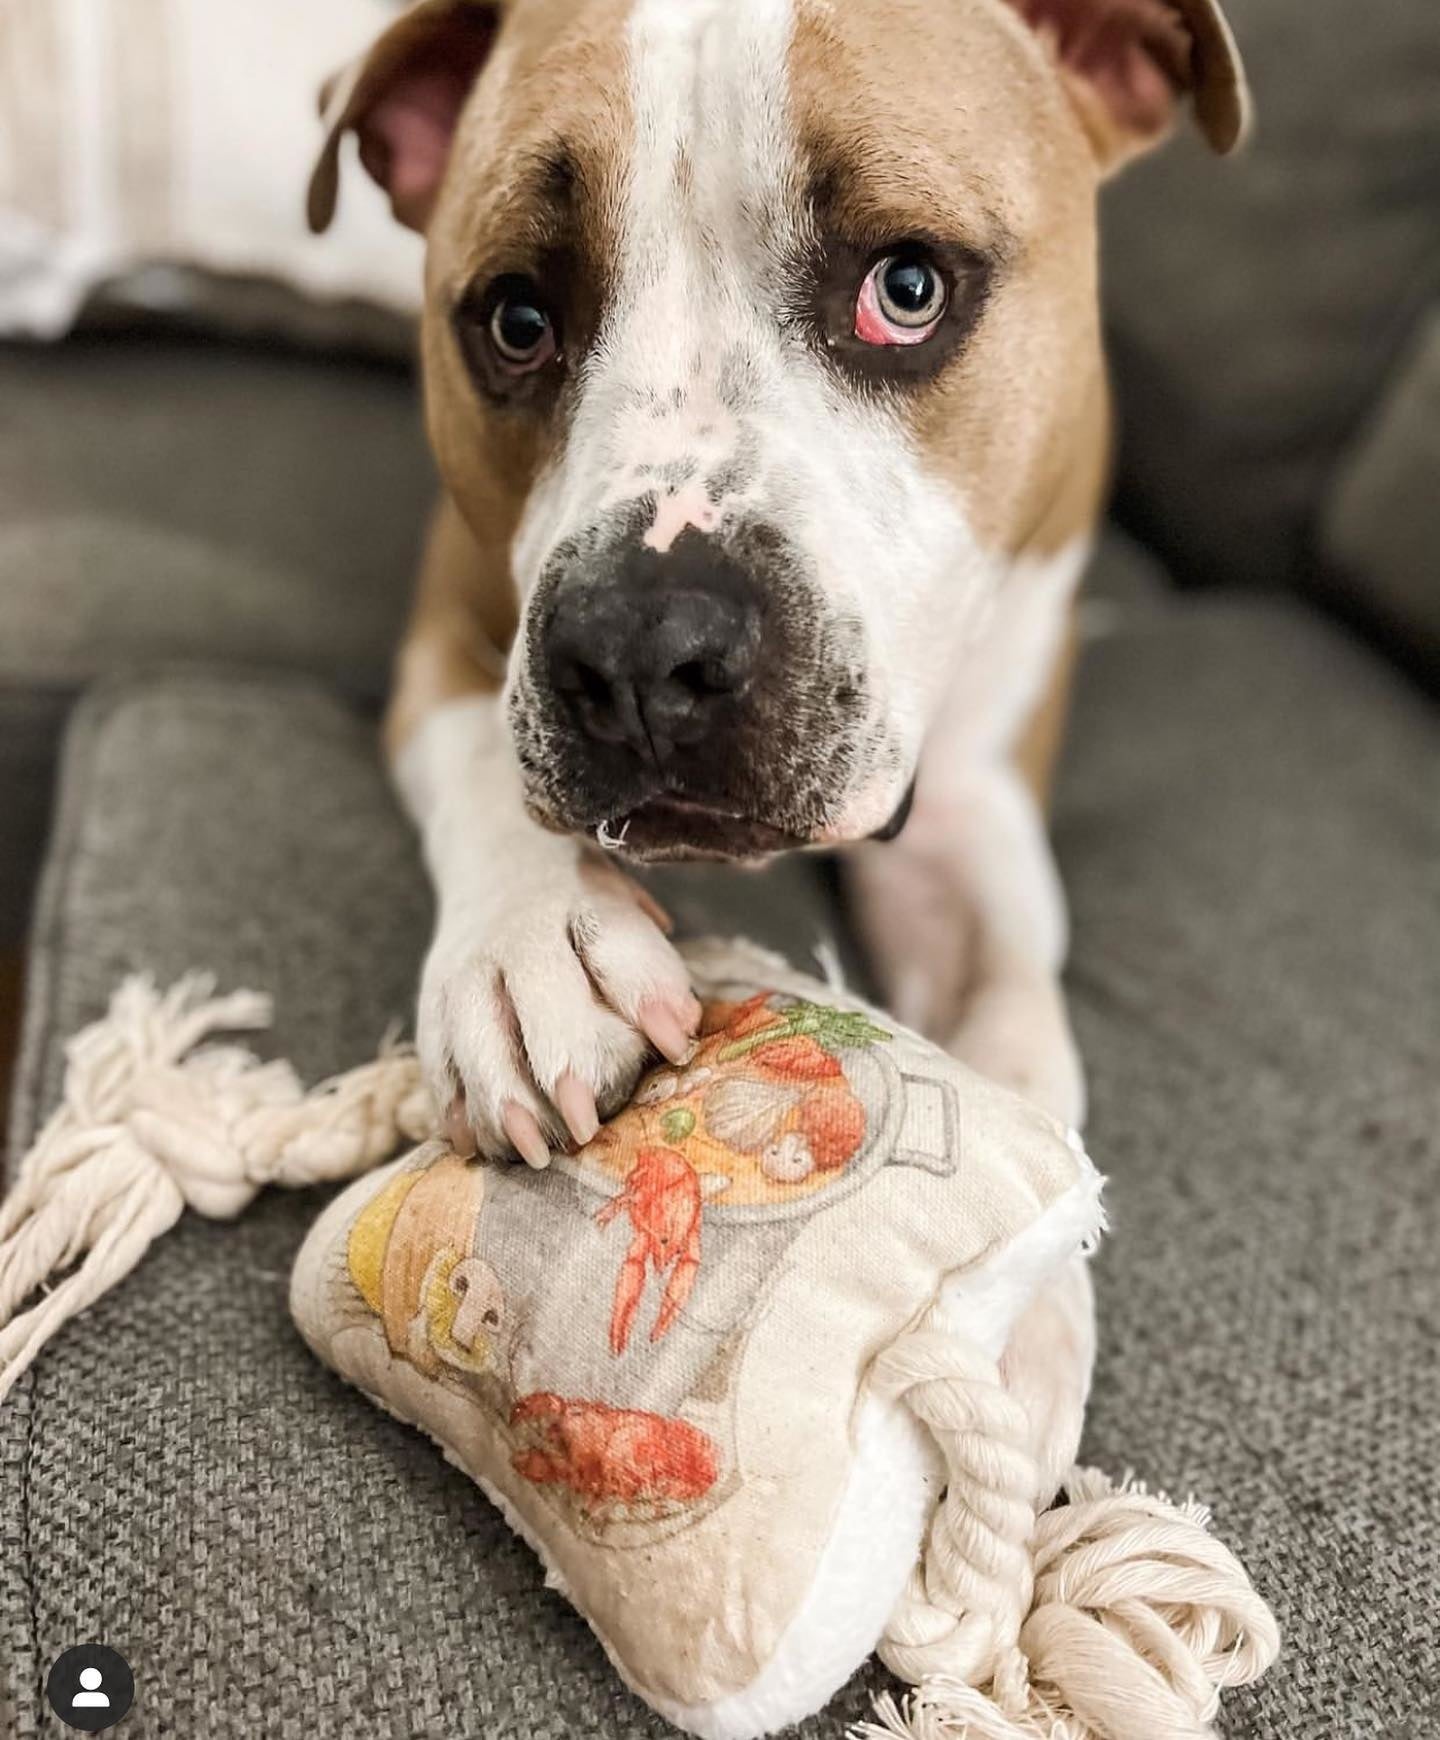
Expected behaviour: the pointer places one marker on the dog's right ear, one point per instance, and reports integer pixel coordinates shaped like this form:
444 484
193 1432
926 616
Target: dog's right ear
403 99
1129 63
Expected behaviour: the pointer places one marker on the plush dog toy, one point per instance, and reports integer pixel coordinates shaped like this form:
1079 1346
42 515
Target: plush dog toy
732 1369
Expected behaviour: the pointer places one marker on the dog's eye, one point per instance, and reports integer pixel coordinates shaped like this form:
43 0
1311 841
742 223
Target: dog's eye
520 327
902 300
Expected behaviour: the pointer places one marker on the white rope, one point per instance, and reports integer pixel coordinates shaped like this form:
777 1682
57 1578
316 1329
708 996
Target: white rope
962 1611
149 1125
1113 1616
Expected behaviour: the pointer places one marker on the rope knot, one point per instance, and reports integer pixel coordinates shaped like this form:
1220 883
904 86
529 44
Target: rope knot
962 1610
1115 1615
152 1120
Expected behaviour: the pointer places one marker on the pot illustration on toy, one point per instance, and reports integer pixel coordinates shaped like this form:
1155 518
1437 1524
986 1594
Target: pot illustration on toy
763 1107
601 1312
695 1194
786 1106
794 1107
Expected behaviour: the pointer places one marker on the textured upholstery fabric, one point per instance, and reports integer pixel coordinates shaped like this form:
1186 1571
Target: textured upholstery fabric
305 481
1257 305
31 721
1251 841
1250 838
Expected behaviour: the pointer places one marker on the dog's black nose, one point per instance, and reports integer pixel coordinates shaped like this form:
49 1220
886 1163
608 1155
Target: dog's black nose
657 651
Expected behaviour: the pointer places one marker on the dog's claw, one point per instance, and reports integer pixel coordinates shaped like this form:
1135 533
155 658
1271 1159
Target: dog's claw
458 1131
529 1008
672 1035
575 1102
524 1133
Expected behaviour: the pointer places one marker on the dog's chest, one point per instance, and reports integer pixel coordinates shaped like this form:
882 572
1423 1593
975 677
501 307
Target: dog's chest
1001 675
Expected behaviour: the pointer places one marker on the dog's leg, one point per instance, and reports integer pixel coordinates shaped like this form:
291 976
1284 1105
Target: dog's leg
549 977
966 920
969 920
964 916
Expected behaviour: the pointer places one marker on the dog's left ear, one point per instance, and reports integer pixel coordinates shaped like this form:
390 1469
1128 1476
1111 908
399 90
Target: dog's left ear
403 99
1129 64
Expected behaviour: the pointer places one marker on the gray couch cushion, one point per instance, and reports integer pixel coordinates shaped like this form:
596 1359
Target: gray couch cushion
1249 837
170 500
160 499
31 721
1257 306
1251 841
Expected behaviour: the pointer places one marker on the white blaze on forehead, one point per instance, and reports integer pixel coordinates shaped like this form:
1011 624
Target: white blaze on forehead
708 79
711 154
709 85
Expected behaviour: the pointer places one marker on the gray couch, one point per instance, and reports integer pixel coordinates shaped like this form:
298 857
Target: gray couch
204 553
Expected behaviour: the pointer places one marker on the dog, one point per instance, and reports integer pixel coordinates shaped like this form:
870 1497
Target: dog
762 362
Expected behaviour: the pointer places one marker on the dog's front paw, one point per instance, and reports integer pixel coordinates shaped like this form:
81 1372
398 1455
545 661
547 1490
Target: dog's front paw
1015 1031
537 1013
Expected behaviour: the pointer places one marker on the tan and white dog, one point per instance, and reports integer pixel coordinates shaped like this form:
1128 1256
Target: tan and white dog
763 369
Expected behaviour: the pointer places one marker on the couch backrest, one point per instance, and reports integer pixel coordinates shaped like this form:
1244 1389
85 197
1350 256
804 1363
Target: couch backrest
1273 321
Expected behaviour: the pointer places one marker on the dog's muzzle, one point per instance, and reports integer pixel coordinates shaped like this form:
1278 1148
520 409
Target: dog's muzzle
691 701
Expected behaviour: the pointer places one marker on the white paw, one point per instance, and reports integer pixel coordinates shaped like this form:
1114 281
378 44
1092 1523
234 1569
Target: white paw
539 1007
1015 1031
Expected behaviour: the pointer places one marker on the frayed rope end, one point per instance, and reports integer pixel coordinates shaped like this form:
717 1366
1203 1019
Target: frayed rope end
152 1120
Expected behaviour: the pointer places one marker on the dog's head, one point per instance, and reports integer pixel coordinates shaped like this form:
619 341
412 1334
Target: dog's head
760 336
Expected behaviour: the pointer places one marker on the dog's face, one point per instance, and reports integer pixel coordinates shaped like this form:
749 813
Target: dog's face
760 336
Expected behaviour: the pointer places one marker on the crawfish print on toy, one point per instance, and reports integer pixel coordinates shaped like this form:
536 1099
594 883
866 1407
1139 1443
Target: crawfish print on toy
602 1326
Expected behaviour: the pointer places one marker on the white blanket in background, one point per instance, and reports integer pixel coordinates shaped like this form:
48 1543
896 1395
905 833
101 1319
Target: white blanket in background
139 138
